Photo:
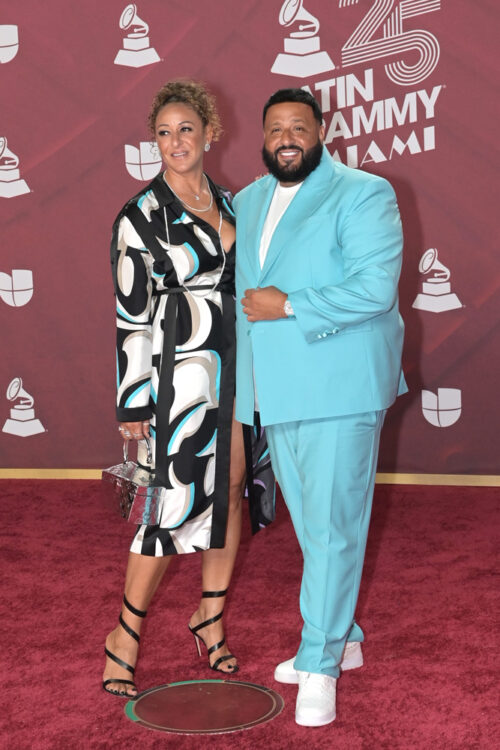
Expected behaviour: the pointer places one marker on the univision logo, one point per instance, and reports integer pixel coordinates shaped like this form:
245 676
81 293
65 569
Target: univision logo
16 290
9 43
444 408
143 163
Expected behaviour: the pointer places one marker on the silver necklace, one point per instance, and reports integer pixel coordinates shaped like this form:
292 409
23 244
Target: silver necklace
190 290
192 208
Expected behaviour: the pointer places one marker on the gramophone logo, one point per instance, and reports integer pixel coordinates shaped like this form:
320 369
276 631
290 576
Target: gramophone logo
443 409
22 420
10 178
136 51
302 57
9 43
16 290
143 163
436 295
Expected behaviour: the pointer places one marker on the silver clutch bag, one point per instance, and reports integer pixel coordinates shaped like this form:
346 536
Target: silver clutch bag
140 501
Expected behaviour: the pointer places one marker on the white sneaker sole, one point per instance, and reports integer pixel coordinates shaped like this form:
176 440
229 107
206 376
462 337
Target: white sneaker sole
316 721
353 659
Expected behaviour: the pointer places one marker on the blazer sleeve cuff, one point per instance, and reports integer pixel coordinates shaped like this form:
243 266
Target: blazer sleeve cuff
137 414
314 326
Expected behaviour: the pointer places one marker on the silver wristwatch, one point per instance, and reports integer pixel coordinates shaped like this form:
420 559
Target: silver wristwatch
287 307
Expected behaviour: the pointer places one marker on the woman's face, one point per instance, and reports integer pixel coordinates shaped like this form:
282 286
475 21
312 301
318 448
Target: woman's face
181 137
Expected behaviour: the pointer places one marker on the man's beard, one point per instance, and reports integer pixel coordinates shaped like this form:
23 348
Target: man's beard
310 160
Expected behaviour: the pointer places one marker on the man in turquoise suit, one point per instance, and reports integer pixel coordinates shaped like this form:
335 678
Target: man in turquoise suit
319 355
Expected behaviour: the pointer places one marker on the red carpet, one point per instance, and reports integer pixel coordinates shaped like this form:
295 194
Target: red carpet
427 604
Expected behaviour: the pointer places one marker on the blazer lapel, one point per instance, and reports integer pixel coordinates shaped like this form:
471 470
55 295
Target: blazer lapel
255 218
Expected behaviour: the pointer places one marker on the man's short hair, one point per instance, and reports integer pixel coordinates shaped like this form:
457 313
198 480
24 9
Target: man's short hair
294 95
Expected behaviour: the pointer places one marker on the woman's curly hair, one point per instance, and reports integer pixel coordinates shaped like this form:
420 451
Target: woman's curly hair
192 93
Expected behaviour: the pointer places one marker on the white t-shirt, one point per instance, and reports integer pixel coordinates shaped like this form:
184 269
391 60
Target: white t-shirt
282 198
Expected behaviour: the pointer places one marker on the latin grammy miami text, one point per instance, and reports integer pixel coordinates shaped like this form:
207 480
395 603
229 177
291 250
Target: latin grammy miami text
354 120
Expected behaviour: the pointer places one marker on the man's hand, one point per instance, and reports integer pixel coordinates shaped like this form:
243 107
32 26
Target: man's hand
264 303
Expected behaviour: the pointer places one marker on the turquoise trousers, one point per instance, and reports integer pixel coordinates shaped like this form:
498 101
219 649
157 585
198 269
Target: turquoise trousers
326 471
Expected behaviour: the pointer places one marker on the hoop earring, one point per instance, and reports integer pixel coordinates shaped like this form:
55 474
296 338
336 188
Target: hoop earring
207 146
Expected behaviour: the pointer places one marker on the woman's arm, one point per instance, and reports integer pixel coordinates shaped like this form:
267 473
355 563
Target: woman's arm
133 289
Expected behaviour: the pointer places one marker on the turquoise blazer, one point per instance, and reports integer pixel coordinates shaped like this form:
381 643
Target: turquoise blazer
337 254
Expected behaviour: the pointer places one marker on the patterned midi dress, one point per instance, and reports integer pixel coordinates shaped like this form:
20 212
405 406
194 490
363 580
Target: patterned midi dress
175 304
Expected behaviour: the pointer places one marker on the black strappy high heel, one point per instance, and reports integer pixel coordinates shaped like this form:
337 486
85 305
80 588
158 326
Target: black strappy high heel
117 660
197 638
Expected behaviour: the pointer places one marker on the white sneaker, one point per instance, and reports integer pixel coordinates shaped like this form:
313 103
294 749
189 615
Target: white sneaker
352 659
315 700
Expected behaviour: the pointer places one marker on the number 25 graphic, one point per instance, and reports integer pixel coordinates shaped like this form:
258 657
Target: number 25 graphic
361 47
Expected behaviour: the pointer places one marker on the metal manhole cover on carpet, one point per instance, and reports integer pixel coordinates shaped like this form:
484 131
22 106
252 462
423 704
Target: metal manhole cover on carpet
205 706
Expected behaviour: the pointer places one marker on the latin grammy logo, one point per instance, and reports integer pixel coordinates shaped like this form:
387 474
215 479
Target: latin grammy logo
302 57
136 51
443 409
16 290
9 43
10 178
143 163
436 295
22 420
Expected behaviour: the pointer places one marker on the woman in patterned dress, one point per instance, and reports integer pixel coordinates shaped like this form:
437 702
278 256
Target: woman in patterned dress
173 258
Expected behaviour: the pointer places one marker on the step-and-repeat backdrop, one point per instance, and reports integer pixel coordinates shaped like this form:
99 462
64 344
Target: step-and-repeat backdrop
407 92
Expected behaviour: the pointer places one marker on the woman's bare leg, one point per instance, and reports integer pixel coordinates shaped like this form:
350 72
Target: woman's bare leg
218 564
143 576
